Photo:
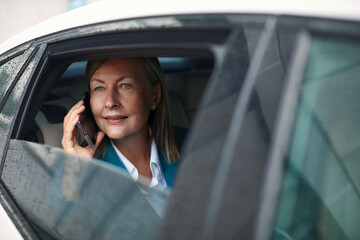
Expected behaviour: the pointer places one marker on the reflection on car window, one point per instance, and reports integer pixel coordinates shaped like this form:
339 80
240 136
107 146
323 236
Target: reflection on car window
320 196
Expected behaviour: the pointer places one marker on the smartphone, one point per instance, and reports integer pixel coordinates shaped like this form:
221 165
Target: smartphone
86 125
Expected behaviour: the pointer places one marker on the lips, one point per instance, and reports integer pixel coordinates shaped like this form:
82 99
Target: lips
115 118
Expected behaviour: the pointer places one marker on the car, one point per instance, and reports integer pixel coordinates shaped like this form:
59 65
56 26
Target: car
268 93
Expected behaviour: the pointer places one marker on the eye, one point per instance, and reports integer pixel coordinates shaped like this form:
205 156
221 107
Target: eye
98 89
126 86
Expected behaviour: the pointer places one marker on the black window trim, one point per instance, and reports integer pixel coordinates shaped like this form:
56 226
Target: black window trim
12 53
10 57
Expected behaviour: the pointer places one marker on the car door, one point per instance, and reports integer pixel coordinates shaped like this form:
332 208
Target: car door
62 196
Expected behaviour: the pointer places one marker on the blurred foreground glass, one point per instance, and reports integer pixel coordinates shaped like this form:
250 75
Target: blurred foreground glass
320 191
72 198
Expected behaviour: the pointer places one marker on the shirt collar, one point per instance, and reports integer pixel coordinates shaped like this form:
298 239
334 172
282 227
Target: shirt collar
129 166
155 165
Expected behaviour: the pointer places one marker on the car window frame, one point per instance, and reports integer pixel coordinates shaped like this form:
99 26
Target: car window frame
51 55
57 47
73 50
62 54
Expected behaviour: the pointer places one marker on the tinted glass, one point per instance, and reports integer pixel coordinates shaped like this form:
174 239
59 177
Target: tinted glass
12 103
189 202
244 178
6 71
320 192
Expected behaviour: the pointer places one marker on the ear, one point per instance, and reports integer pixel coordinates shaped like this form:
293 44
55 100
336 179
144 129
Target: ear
156 96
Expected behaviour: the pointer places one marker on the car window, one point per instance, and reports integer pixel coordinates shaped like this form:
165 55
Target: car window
66 197
244 179
185 77
12 103
248 134
207 139
320 190
7 68
71 198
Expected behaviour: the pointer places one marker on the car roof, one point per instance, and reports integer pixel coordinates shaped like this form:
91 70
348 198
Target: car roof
110 10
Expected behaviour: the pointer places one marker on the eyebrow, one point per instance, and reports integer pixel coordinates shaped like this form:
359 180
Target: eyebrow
119 79
96 80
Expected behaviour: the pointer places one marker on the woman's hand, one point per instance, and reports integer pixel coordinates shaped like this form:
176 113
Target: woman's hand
69 141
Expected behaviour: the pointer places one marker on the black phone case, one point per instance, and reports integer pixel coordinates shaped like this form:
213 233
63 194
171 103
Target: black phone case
84 134
89 119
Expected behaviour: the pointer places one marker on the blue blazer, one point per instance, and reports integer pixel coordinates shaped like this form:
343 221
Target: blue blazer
169 170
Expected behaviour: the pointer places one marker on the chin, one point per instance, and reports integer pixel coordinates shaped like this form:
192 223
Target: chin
116 135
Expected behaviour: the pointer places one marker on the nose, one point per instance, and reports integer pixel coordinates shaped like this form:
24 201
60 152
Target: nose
112 99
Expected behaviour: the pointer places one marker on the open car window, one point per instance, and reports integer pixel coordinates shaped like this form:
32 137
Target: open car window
71 198
185 77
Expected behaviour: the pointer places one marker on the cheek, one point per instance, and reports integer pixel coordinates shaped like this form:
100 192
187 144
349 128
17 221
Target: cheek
142 104
95 107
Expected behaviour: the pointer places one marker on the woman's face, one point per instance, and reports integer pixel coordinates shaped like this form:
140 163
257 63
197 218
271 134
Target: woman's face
121 98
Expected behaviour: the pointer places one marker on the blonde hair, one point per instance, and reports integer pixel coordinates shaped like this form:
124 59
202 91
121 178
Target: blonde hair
159 119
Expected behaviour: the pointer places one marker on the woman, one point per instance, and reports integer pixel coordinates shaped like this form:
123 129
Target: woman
129 103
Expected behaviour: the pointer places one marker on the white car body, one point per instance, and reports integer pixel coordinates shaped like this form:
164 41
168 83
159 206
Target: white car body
109 10
7 227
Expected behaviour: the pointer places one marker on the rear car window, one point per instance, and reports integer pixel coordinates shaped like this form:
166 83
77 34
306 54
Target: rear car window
67 197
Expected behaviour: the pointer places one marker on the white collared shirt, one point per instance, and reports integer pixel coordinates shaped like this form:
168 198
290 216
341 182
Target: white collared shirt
158 179
157 200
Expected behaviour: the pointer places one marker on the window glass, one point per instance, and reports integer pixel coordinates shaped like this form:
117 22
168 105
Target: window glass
72 198
188 208
6 70
320 191
253 141
12 103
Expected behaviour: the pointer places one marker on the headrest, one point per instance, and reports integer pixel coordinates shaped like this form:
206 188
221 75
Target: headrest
78 88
